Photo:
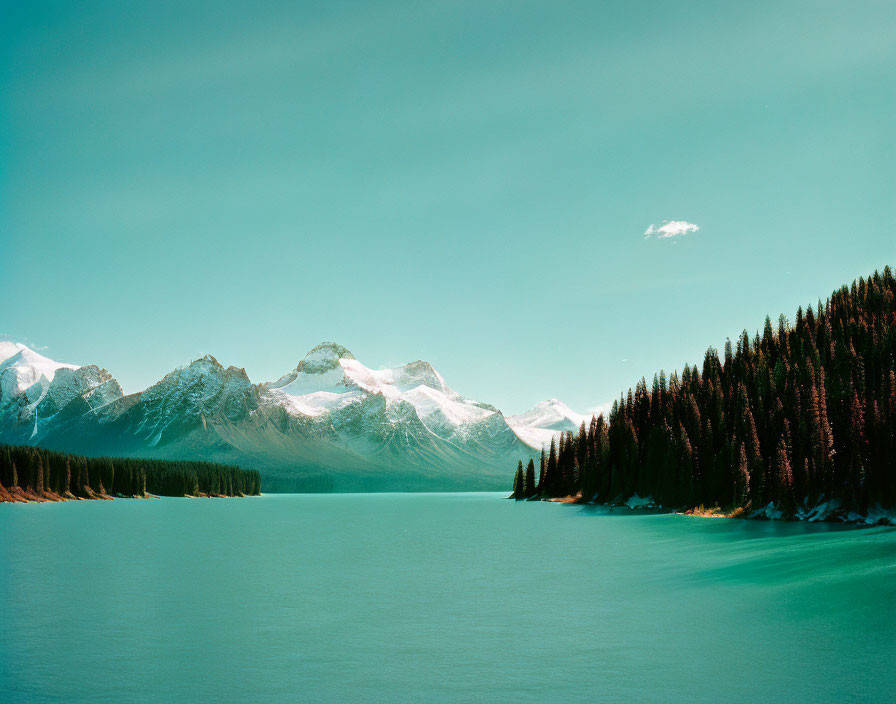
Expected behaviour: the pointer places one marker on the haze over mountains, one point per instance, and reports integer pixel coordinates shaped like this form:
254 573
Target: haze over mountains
329 424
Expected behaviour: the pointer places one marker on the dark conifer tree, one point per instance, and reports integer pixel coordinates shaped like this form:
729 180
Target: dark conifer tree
782 472
38 484
742 479
85 478
529 479
550 472
518 482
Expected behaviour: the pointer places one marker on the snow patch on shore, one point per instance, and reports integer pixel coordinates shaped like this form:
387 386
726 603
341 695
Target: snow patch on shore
820 512
877 514
769 511
636 501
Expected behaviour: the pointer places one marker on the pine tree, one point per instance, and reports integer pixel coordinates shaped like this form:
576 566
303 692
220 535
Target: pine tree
550 473
857 454
529 479
784 479
38 483
742 478
67 477
518 482
85 478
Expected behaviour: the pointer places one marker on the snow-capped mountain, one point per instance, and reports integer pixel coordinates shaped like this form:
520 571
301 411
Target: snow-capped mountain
24 371
330 423
547 421
330 378
35 389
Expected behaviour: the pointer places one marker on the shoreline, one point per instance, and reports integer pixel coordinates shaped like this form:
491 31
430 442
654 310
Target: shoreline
17 495
825 512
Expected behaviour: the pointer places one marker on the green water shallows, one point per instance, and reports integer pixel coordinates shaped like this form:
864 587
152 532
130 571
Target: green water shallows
436 597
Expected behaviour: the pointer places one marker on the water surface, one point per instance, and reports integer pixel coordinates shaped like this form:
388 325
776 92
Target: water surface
436 597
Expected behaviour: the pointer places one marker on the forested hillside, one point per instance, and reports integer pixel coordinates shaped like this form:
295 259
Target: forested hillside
35 474
800 415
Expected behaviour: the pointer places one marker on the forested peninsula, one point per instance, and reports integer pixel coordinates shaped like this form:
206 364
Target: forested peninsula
797 422
34 474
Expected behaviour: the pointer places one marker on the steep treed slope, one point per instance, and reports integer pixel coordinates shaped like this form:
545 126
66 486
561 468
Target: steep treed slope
799 420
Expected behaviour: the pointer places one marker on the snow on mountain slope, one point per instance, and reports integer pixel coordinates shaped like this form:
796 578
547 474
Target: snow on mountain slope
90 383
330 378
34 390
24 371
547 421
189 395
331 423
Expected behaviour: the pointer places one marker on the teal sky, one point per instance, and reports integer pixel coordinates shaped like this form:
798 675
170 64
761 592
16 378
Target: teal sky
466 183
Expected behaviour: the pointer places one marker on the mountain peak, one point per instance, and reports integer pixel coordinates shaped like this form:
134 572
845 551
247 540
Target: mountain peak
547 421
205 362
24 370
551 403
323 358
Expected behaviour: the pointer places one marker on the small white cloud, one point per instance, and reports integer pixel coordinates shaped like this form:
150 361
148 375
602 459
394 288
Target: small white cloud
670 228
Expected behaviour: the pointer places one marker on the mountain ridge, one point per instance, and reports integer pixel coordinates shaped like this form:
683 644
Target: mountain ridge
330 423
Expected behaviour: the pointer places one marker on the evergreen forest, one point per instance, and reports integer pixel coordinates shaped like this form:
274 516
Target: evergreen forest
32 473
786 419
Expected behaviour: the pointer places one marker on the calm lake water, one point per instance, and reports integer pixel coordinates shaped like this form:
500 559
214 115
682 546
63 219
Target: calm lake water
439 597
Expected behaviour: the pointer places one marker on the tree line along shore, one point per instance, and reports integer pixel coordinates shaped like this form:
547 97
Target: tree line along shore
798 421
35 474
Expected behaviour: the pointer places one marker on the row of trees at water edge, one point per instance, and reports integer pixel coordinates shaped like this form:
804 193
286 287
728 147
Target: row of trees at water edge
44 473
799 414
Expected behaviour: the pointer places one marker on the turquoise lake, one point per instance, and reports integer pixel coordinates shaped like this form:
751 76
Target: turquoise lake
436 597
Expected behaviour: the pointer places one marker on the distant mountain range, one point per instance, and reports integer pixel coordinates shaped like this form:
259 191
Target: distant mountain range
330 424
